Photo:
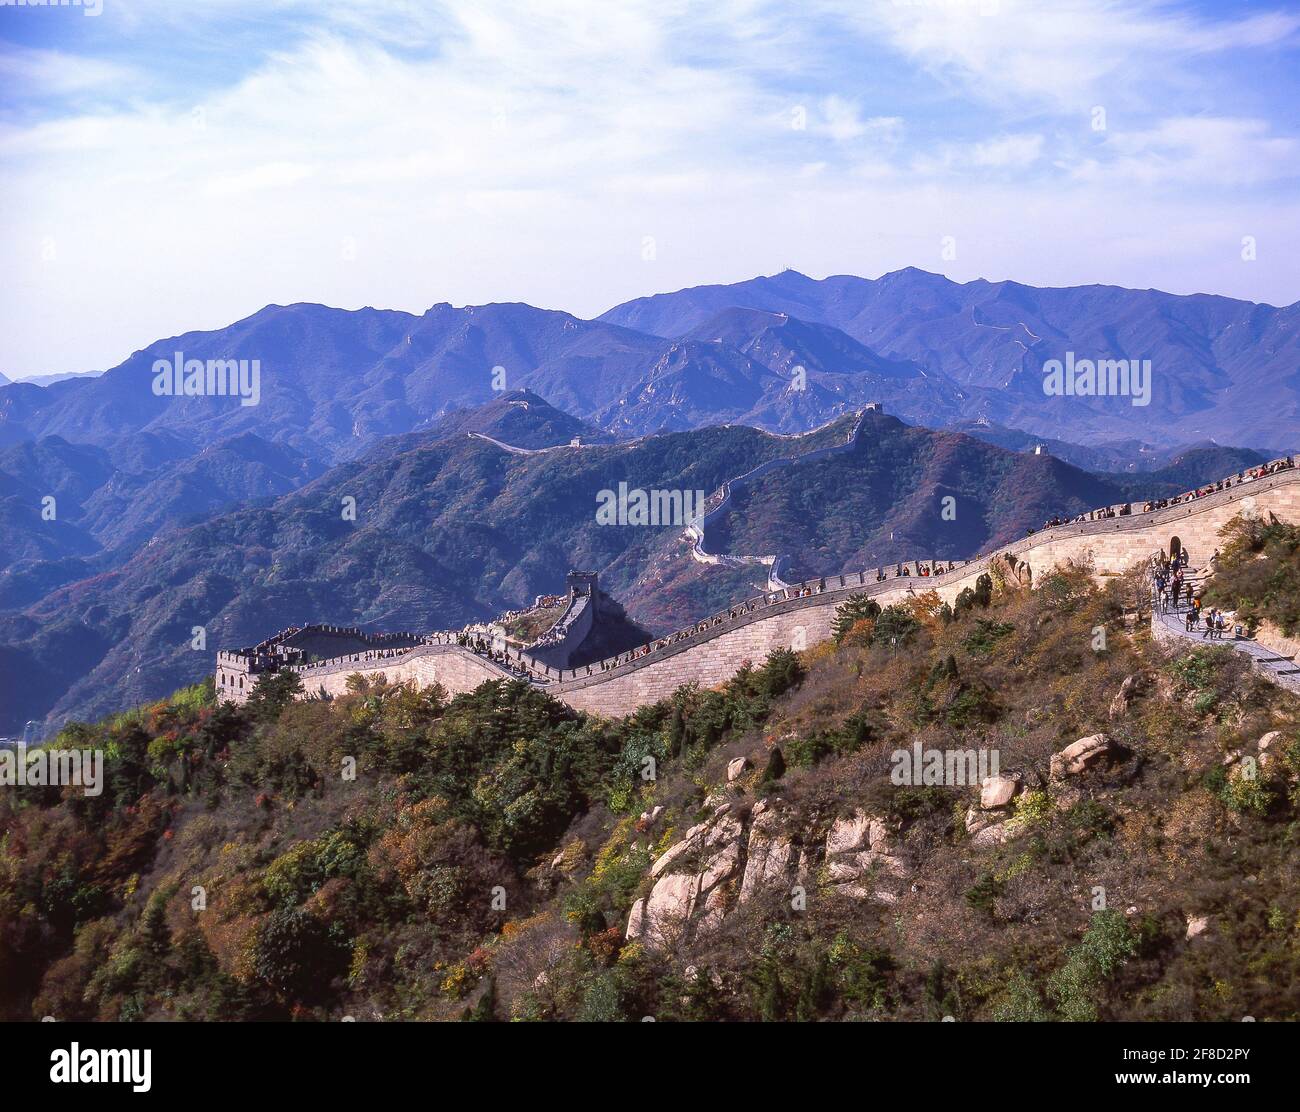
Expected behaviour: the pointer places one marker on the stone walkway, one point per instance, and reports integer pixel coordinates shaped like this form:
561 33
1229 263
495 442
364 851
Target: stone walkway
1282 670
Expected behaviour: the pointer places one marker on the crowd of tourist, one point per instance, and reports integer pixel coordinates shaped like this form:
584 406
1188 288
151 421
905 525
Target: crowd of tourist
1172 592
1247 476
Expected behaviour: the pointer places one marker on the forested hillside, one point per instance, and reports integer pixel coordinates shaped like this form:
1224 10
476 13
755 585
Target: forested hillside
394 854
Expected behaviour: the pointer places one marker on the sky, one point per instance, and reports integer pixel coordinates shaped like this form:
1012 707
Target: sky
169 165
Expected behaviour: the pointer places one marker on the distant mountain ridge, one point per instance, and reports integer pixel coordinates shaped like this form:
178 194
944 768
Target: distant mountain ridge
787 353
1222 368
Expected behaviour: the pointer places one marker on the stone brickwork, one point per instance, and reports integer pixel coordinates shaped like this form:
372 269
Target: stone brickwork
456 668
712 650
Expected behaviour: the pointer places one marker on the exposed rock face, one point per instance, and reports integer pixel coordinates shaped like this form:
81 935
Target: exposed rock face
636 921
856 832
719 863
667 909
770 852
856 848
733 857
678 851
1082 754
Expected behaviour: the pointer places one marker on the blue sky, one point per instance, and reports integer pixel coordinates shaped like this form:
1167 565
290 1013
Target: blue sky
170 165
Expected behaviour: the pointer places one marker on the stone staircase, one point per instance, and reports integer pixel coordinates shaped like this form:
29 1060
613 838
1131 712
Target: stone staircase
1170 625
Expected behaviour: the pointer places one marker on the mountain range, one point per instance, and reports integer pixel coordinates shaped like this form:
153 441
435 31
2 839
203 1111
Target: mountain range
785 352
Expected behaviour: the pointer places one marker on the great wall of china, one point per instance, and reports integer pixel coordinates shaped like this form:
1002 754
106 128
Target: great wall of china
713 649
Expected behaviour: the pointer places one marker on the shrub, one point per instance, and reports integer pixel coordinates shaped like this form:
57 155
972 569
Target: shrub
297 955
1106 945
856 608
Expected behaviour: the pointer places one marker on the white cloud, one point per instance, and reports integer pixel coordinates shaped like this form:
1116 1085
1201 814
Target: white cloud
1062 53
1001 153
842 120
479 150
1193 151
55 73
272 175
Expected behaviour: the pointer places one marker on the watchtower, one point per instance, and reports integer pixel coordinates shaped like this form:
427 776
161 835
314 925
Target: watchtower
582 584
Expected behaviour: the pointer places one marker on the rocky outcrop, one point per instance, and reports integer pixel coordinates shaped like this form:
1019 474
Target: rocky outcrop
986 824
1011 573
717 865
859 854
1128 691
770 852
661 918
737 856
1081 755
998 791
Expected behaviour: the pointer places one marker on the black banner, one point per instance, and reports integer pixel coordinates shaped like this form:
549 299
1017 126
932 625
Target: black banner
365 1058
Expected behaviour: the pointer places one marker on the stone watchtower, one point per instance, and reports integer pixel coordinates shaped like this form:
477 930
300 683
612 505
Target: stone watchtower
582 584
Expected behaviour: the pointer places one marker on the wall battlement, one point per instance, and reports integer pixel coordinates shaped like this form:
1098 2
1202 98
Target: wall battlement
712 649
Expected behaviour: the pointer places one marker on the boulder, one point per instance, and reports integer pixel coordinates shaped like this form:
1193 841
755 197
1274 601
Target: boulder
998 791
1268 739
1010 572
636 921
737 768
1082 754
993 835
1197 925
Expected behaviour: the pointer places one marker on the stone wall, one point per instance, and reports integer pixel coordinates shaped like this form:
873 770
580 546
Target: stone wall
722 644
707 661
1112 545
457 669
